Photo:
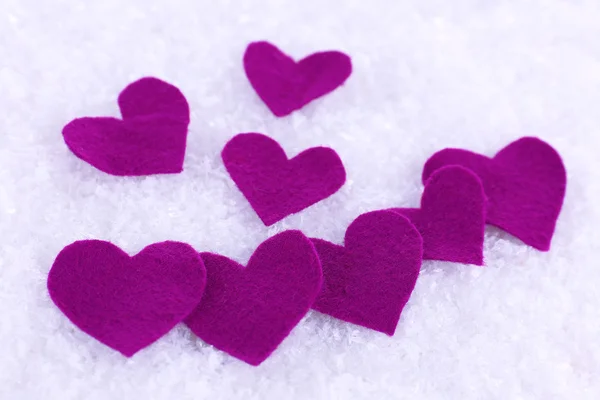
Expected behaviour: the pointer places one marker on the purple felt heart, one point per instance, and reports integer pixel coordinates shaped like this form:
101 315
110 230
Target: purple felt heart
451 219
247 312
275 186
525 185
369 280
150 139
126 302
285 85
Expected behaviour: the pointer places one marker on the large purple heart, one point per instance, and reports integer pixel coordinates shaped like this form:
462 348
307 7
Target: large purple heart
126 302
525 185
286 85
451 219
275 186
247 312
369 280
150 139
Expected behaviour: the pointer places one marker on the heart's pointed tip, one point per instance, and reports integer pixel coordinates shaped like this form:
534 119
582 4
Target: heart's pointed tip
280 113
390 331
127 352
543 247
476 261
253 361
269 220
480 262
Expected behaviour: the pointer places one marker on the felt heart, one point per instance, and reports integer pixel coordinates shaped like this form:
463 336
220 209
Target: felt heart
525 185
285 85
369 280
248 312
150 139
125 302
275 186
451 219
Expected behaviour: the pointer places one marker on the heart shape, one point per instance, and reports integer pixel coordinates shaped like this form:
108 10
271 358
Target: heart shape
524 183
274 186
285 85
150 139
451 219
125 302
247 312
369 280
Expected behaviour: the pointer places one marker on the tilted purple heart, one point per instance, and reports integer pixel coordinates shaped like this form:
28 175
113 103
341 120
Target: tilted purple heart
275 186
247 312
525 185
369 280
285 85
150 139
126 302
451 219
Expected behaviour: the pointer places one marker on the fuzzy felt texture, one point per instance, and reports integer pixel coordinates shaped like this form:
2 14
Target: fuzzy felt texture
286 85
369 280
125 302
248 311
275 186
451 219
150 139
525 184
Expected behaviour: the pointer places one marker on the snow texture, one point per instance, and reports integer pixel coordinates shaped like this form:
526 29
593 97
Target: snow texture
429 74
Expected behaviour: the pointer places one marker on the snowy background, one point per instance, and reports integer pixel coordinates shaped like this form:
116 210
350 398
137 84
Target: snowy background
428 74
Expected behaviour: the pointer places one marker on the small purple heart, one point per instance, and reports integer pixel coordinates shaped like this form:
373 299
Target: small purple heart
275 186
451 219
369 280
150 139
126 302
285 85
247 312
524 183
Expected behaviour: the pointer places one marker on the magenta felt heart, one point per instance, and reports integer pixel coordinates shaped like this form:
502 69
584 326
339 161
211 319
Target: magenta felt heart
285 85
150 139
247 312
275 186
369 280
451 219
126 302
525 185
